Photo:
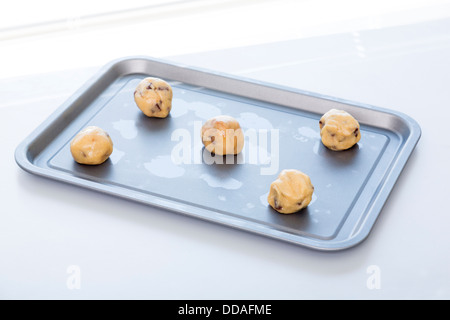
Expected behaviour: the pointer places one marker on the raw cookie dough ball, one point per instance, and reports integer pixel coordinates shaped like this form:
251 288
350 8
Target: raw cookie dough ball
339 130
154 97
91 145
223 135
291 192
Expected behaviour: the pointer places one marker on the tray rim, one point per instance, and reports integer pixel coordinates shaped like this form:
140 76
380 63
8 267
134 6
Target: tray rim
22 154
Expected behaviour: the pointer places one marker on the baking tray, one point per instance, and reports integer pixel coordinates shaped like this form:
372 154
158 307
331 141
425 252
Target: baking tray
160 162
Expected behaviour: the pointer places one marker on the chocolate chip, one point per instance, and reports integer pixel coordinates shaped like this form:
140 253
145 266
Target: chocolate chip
356 132
159 108
83 154
149 87
333 135
212 138
162 88
300 203
277 206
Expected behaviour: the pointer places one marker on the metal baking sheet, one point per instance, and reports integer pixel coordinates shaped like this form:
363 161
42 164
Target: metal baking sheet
161 162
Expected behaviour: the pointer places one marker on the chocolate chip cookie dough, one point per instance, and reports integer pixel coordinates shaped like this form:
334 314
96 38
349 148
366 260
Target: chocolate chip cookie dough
91 146
291 192
154 97
339 130
223 135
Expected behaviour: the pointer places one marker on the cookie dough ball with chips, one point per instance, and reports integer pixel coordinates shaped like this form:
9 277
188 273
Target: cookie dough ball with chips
339 130
154 97
223 135
291 192
91 146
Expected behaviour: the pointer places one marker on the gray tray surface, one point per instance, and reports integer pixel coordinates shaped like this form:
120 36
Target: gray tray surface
281 126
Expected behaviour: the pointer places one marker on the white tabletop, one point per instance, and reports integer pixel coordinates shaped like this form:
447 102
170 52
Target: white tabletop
64 242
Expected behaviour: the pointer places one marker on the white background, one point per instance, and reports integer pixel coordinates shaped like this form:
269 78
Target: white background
35 39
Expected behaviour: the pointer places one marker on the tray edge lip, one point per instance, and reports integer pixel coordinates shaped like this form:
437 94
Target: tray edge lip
310 243
413 124
20 153
23 161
